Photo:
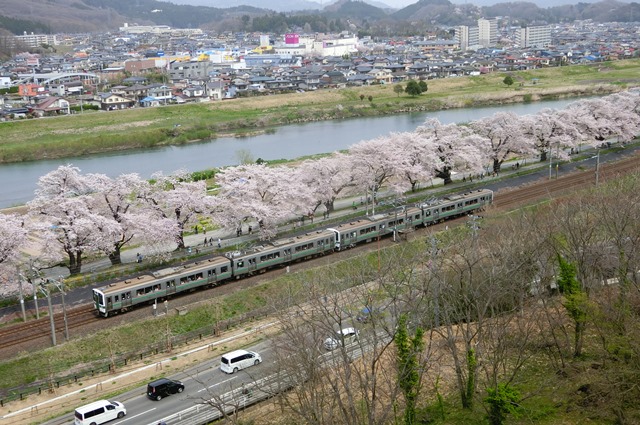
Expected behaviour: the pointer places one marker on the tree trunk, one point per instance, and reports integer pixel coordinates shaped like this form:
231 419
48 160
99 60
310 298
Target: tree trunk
114 256
580 327
75 263
496 165
444 174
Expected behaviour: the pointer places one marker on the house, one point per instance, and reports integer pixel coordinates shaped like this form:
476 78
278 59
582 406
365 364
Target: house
112 101
161 92
215 90
51 106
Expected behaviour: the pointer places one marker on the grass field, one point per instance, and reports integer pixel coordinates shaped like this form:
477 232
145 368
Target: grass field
93 132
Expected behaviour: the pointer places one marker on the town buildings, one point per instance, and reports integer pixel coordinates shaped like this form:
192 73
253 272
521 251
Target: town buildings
154 66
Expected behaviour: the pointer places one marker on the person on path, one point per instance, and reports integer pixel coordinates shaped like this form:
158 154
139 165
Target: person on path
219 243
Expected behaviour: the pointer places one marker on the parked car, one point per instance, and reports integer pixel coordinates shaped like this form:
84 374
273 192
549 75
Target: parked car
160 388
343 337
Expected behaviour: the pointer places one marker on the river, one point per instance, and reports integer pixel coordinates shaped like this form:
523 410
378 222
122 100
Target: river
287 142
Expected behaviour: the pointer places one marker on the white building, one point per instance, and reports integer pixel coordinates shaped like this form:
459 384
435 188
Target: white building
487 32
467 37
538 36
36 40
320 46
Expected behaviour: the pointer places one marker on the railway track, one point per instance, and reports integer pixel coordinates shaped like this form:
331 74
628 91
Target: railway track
38 329
36 334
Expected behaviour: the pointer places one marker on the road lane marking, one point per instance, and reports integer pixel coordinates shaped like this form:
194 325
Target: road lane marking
126 418
219 383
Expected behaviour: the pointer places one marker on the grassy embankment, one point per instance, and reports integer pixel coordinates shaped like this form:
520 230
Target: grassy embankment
95 132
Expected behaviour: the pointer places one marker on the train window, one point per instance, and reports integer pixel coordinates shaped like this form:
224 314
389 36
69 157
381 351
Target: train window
170 283
108 300
183 280
224 269
117 298
240 264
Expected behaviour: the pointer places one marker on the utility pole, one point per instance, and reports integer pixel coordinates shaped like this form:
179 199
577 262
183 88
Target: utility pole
46 291
24 313
60 285
433 268
35 275
597 167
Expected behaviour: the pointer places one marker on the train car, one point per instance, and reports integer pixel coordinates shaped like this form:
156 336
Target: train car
282 251
125 294
369 228
449 207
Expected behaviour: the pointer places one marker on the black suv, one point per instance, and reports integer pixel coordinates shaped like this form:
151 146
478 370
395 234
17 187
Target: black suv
162 388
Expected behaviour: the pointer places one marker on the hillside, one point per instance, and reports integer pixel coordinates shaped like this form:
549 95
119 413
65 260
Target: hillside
59 16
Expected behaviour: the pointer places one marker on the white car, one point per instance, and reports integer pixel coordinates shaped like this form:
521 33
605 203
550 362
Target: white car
342 337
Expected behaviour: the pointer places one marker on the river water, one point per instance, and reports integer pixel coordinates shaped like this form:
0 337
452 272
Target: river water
293 141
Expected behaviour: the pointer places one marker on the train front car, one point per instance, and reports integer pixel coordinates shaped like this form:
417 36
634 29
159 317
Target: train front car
99 303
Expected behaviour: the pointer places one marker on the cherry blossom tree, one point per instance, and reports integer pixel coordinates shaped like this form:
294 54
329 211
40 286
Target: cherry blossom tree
550 128
118 199
378 163
13 238
64 215
266 195
610 117
456 147
505 135
327 178
419 159
178 198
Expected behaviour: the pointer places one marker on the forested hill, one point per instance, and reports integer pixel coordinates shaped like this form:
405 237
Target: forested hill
56 16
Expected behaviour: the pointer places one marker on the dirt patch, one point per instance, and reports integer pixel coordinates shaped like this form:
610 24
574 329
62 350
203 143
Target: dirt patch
110 127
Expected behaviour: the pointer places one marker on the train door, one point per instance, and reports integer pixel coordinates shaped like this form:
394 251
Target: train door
286 253
126 299
252 264
212 276
171 287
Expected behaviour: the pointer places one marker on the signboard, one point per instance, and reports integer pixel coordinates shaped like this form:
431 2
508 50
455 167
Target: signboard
291 38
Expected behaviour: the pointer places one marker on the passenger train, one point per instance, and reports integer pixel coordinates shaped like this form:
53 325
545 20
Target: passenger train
125 294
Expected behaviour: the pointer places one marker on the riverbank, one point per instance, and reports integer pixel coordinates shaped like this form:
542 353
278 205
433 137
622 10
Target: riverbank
142 128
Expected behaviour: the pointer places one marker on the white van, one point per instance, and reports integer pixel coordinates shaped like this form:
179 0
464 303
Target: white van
238 360
99 412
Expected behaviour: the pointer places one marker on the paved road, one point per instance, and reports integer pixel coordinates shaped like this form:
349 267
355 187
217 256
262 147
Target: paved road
343 208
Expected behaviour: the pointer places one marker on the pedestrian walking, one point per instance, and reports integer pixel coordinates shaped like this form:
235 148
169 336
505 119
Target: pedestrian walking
219 243
250 229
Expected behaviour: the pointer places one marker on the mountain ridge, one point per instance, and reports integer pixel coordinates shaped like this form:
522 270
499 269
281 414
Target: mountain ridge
107 15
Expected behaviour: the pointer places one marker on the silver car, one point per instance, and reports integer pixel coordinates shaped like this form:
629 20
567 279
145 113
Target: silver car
342 337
